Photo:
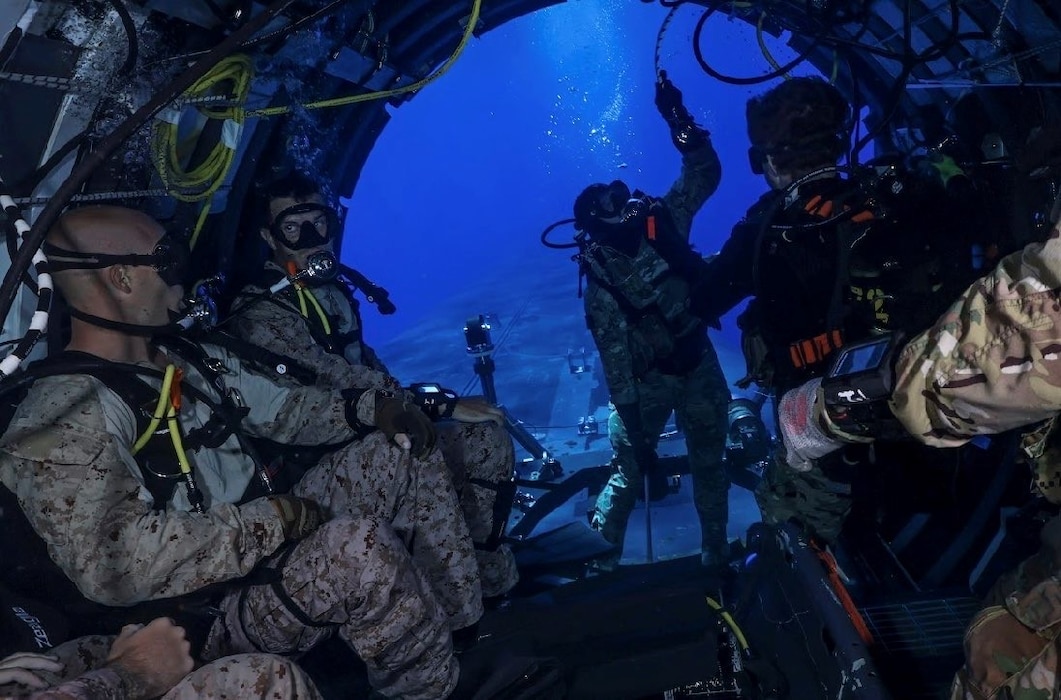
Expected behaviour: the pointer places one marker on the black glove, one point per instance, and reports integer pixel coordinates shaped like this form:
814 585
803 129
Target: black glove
394 417
669 103
300 516
685 134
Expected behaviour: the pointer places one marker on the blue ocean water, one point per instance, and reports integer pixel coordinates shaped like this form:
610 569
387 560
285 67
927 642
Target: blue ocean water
450 205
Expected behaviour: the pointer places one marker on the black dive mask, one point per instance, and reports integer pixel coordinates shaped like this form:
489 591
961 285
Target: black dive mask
600 205
315 232
610 202
170 259
635 208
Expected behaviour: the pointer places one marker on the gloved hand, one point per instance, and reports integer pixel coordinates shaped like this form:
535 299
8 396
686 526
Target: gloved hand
684 132
801 432
669 103
300 516
406 425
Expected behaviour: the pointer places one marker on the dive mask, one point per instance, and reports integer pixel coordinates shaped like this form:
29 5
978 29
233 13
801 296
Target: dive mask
310 233
169 258
612 200
600 203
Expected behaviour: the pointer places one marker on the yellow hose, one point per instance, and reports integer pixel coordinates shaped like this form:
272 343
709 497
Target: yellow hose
730 622
316 307
160 411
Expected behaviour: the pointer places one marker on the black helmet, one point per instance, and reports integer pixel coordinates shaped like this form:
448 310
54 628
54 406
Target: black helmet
600 201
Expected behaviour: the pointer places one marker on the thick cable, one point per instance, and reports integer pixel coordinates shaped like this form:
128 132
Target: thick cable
473 20
659 37
133 48
39 322
735 80
51 211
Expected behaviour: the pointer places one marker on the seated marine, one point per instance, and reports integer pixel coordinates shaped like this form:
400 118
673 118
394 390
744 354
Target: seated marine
131 489
318 326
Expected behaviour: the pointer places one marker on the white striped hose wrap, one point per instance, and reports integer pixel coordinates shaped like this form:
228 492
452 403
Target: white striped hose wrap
18 227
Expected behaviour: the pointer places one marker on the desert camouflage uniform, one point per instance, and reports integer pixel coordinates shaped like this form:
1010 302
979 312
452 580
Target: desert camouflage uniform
699 396
988 365
475 453
85 676
392 570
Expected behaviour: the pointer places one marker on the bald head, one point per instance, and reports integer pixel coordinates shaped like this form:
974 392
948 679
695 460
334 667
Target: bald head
107 229
103 229
114 296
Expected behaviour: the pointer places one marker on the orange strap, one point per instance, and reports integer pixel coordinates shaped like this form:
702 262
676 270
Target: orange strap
824 209
175 390
651 223
811 351
833 574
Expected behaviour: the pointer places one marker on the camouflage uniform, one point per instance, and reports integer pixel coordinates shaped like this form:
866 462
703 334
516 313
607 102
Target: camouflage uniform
988 365
991 362
86 677
392 570
630 359
477 454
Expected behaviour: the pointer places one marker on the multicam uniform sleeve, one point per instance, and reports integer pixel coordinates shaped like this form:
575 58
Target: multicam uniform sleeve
608 325
700 176
73 479
283 330
991 362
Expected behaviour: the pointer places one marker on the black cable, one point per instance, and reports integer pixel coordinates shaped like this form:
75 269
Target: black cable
897 92
133 49
48 216
29 183
26 185
733 80
11 237
544 238
277 34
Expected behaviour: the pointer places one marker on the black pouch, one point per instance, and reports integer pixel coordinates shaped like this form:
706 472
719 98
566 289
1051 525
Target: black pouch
28 625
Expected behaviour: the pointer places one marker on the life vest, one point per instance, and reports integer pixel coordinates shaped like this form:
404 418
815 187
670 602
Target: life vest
28 572
651 287
325 331
809 301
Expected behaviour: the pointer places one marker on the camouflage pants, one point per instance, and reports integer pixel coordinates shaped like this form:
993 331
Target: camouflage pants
1013 646
356 577
700 401
817 502
481 460
248 676
374 478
